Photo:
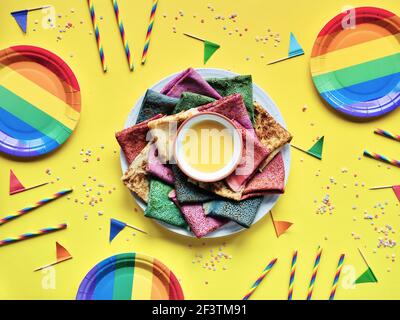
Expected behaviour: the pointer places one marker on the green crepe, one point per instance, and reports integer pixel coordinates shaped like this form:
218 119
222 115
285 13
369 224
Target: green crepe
187 192
239 84
191 100
242 212
161 207
155 103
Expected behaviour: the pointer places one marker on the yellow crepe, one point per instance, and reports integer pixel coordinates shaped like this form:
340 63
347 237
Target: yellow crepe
135 178
270 133
163 132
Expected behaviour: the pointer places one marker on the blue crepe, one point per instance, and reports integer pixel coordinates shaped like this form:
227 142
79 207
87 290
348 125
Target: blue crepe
242 212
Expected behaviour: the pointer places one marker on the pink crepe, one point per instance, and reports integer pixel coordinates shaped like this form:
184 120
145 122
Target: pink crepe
252 157
157 169
270 180
189 81
194 214
231 107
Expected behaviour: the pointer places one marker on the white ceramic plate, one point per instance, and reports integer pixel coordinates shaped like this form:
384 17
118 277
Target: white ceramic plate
262 98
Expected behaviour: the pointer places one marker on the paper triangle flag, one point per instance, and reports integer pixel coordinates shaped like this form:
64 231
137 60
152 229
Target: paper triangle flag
62 253
396 190
15 185
366 277
21 17
116 227
209 49
281 227
316 149
294 47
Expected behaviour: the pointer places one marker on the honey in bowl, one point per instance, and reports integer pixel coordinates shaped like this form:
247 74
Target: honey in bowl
208 147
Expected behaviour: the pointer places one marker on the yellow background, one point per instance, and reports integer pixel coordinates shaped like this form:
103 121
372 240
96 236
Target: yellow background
107 100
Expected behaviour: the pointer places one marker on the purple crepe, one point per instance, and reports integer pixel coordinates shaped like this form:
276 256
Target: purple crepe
194 214
189 81
157 169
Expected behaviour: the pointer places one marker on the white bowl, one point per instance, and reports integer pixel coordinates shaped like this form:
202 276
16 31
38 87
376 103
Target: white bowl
186 167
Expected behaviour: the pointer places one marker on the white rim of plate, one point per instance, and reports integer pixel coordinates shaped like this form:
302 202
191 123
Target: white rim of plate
267 103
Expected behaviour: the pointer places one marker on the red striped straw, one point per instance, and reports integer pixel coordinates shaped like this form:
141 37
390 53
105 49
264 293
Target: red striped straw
149 30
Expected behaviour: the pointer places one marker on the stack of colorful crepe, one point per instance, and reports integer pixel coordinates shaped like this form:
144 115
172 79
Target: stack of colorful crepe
170 195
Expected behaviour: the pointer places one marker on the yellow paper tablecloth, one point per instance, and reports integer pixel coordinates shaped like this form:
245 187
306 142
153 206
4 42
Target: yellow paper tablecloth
107 100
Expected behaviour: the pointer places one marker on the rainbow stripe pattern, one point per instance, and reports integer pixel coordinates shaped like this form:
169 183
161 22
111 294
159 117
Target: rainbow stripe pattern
130 276
260 279
381 158
31 235
40 101
314 273
336 278
123 35
38 204
357 70
387 134
97 34
292 274
149 30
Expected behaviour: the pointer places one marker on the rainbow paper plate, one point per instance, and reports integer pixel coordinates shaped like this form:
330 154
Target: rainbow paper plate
40 101
355 63
130 276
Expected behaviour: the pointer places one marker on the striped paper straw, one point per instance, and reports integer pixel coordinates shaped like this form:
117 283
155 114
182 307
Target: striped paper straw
292 274
387 134
314 273
336 278
38 204
149 30
381 158
31 235
260 278
123 35
97 34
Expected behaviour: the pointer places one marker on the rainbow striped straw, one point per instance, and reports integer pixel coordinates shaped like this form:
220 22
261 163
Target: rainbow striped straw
292 274
387 134
260 278
35 206
35 234
381 158
314 273
336 278
123 35
97 33
149 30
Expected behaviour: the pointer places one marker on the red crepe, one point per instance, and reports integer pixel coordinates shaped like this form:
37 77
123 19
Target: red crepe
133 139
271 179
254 153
